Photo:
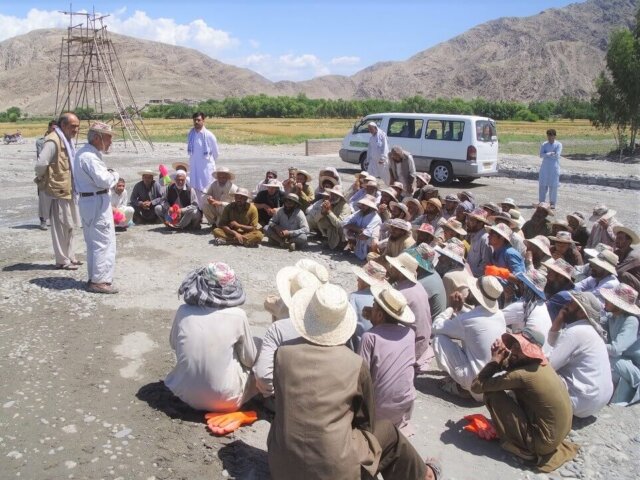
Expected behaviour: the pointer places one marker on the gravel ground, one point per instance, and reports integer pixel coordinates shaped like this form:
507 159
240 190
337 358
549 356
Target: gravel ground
80 381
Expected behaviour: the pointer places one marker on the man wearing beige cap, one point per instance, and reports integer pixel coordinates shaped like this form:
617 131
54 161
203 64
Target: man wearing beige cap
370 274
628 267
363 227
146 194
219 194
604 220
238 224
603 274
333 212
93 180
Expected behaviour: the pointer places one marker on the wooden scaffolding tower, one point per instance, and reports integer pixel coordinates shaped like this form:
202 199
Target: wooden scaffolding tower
92 82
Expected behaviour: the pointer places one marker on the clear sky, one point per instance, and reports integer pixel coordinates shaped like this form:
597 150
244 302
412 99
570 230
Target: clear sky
283 40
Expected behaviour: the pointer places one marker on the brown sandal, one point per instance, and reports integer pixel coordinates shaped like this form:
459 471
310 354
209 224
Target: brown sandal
67 266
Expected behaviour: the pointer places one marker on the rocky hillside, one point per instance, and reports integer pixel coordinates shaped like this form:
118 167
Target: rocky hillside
557 52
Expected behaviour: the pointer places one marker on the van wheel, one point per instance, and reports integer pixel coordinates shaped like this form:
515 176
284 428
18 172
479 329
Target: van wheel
466 180
364 163
441 173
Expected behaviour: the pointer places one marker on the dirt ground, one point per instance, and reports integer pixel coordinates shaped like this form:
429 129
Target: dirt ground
81 390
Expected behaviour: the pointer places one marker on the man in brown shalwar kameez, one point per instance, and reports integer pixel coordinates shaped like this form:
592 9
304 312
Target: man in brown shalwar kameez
324 425
534 424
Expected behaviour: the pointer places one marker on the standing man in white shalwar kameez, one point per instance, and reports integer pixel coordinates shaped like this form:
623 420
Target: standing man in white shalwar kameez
54 176
202 148
549 178
93 181
378 154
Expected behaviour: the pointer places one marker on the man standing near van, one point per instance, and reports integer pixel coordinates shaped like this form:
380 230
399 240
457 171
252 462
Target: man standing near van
378 154
549 178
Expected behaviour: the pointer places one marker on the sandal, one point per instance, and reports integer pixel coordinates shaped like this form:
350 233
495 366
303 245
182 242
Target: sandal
453 388
67 266
76 262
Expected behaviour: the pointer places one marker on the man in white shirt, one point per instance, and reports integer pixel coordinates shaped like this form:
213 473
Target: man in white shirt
603 274
219 194
202 148
580 355
93 181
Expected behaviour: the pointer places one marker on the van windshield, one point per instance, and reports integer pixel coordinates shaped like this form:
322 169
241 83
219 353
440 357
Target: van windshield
486 131
361 126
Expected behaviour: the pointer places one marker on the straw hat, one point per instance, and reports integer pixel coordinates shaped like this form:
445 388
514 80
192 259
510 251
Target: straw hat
517 217
563 224
454 249
306 175
401 206
492 207
372 273
328 178
480 215
504 216
393 302
314 267
455 225
290 279
546 207
424 255
451 198
425 177
530 342
406 201
486 290
371 183
391 192
273 183
591 307
541 242
368 201
561 267
102 128
243 191
627 231
435 202
399 223
293 197
224 170
562 237
323 315
535 280
180 166
509 202
577 216
607 260
467 195
601 211
147 172
622 296
406 265
424 228
504 231
336 190
397 186
601 247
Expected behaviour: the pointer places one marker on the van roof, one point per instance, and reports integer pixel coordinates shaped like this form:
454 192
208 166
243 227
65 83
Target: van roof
444 116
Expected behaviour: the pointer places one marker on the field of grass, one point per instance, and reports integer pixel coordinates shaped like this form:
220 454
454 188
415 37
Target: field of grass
577 137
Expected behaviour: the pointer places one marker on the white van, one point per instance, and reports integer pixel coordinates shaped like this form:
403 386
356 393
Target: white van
447 146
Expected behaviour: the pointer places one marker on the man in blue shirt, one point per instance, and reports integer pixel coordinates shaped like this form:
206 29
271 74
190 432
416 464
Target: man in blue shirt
504 255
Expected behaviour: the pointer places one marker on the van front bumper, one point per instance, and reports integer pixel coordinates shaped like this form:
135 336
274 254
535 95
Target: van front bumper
349 156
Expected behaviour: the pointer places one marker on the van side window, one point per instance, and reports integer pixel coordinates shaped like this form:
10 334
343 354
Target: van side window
362 127
405 127
449 130
486 131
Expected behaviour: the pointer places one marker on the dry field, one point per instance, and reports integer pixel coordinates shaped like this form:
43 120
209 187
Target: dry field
578 137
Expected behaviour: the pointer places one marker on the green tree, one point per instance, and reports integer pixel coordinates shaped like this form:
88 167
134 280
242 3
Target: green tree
617 99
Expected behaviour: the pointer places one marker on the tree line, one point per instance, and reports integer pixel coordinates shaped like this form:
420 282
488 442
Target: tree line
263 106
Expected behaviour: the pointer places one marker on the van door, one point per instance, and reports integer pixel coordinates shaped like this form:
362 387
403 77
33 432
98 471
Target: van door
405 132
486 144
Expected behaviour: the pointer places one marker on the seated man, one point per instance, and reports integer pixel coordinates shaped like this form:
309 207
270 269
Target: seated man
604 220
262 185
399 238
324 425
212 379
370 274
370 188
219 194
504 255
451 203
565 247
238 224
119 200
303 189
539 224
452 268
363 227
476 330
332 213
429 278
530 410
578 229
146 194
579 353
603 274
537 250
268 201
424 233
389 352
628 268
560 277
288 228
179 207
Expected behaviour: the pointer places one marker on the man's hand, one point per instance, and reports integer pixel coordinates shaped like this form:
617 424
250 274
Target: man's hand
270 211
239 238
499 352
363 237
234 225
457 301
212 201
604 222
285 233
325 208
382 208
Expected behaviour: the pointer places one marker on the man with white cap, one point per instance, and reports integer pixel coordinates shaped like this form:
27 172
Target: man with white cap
604 220
179 207
400 238
475 329
628 268
202 148
238 224
288 228
603 274
402 273
370 274
579 354
333 212
378 153
54 175
119 204
219 194
93 181
451 203
389 351
363 227
324 425
369 187
146 194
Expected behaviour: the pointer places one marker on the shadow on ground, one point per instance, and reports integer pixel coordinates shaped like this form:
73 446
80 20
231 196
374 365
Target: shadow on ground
243 461
59 283
580 423
160 398
26 267
27 227
430 386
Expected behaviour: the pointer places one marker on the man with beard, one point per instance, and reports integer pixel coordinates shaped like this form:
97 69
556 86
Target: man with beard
451 203
202 148
422 180
363 227
559 281
238 224
181 194
432 213
580 355
288 228
479 255
370 188
538 224
628 268
387 195
399 238
332 213
219 194
377 154
530 409
269 200
604 220
579 232
603 274
146 194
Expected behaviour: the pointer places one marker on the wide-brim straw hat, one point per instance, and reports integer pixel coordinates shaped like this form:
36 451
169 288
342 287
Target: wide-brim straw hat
336 190
452 249
319 270
416 202
226 170
541 242
622 296
391 192
486 290
147 172
273 183
290 279
601 211
372 273
368 201
435 202
501 229
480 215
419 251
562 237
180 166
635 238
393 302
607 260
510 202
306 174
399 224
535 280
406 265
546 207
323 315
526 342
329 178
513 224
561 267
425 177
455 225
590 306
577 216
399 205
